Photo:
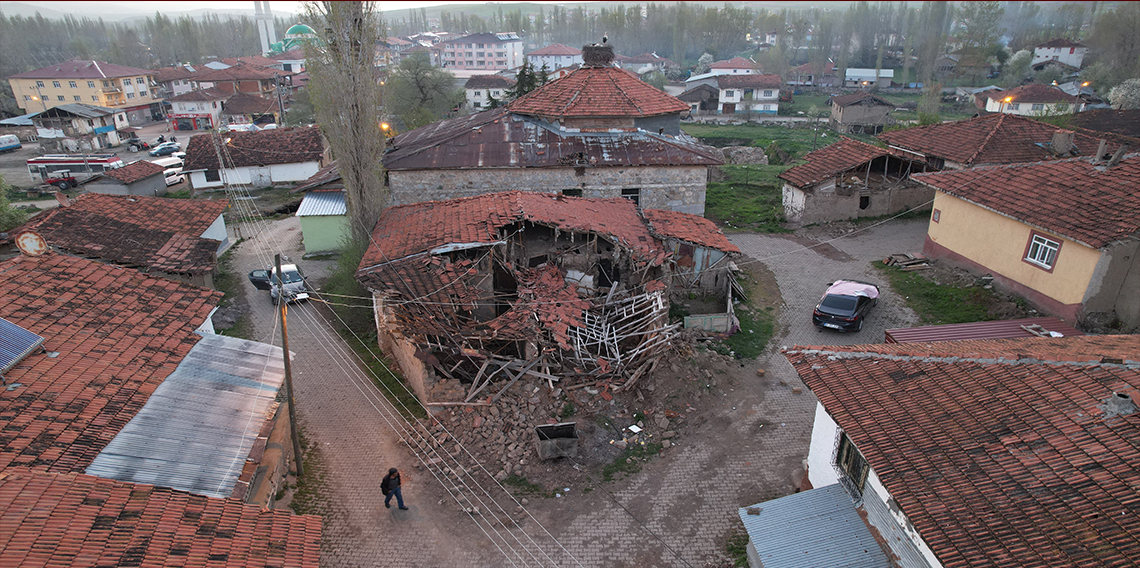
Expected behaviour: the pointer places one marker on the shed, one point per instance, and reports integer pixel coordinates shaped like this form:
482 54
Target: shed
137 178
324 220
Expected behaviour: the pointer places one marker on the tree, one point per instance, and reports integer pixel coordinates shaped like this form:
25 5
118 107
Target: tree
703 63
1115 43
1126 95
1016 69
420 94
301 111
655 78
347 101
526 80
10 217
980 26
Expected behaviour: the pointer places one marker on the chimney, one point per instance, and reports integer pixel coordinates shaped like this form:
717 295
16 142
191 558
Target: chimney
1101 150
1117 156
597 55
1119 404
1062 142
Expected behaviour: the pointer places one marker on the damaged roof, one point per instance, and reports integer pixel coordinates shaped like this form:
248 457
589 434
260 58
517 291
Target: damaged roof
70 519
860 98
112 335
261 148
155 232
134 171
999 452
498 138
1073 198
992 139
830 161
683 226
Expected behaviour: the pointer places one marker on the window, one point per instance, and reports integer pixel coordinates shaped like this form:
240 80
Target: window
130 95
140 81
39 83
1038 106
481 46
494 93
936 215
95 98
1042 251
91 84
767 93
143 93
851 462
107 84
477 94
729 94
1014 106
72 84
60 97
632 194
478 54
213 175
77 98
478 105
55 84
27 97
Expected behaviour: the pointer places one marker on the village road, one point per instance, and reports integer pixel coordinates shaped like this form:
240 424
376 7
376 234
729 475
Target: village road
677 511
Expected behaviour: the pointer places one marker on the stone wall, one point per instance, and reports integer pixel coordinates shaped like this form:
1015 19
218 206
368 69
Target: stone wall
825 203
677 188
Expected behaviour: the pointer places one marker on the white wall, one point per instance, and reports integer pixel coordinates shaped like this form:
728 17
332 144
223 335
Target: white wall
278 174
553 62
217 231
1027 109
1076 58
480 96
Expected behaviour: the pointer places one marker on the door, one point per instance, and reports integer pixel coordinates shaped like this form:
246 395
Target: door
259 177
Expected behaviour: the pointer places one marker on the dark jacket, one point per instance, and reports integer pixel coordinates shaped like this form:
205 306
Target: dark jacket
389 483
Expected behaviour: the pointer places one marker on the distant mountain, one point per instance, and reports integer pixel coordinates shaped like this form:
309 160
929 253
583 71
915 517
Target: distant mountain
122 12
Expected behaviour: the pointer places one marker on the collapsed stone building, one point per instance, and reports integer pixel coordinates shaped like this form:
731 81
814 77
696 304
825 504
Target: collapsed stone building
511 284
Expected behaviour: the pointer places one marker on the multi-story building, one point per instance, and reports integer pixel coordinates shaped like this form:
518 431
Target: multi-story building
197 110
483 52
244 78
748 93
482 89
90 82
554 57
1061 50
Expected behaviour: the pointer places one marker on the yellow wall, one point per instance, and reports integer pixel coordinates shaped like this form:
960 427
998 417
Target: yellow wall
111 96
998 243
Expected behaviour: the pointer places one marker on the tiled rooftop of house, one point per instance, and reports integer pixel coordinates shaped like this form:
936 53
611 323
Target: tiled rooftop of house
556 49
498 138
111 336
197 95
734 63
176 72
489 82
831 160
691 228
186 216
999 452
1060 42
326 175
597 92
70 519
262 148
134 171
1121 122
81 69
749 81
245 103
1033 93
239 72
992 139
1073 198
858 97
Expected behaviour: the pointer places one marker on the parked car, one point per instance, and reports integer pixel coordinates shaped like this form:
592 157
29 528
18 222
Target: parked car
174 176
294 283
165 149
845 305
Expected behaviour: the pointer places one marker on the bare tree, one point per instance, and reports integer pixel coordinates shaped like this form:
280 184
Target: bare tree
347 100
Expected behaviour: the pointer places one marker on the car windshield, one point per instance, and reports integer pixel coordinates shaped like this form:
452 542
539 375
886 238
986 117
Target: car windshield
292 276
837 303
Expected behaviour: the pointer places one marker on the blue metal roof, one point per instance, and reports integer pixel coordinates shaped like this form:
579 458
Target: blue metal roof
814 528
22 120
322 203
15 344
197 429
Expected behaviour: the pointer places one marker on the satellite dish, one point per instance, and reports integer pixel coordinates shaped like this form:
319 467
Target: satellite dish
31 243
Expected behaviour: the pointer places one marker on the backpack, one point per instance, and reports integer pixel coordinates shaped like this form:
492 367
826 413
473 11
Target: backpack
385 486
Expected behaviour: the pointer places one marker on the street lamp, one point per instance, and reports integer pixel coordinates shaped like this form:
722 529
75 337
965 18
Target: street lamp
1001 108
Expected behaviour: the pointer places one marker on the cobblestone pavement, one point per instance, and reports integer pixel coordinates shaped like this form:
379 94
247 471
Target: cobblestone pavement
746 449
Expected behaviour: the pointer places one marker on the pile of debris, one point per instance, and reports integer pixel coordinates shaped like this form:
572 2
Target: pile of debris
908 262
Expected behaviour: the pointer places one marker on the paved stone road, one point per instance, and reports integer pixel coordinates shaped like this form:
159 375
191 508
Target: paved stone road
688 496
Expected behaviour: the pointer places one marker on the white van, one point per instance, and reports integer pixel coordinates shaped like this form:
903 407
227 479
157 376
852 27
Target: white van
10 143
174 176
167 163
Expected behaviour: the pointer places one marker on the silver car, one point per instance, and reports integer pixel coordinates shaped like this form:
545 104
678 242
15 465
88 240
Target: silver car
293 281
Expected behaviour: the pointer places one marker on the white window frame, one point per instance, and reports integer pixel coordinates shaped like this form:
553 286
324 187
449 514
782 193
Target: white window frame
1042 251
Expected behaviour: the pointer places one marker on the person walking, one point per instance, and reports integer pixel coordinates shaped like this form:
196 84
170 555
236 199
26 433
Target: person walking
391 486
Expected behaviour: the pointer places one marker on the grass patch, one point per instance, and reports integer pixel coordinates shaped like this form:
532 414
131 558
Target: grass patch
355 323
756 329
737 548
935 303
568 410
180 194
796 140
524 486
748 199
630 460
311 494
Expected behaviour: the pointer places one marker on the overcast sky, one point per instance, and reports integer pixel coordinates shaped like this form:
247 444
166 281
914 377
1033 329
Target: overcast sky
279 6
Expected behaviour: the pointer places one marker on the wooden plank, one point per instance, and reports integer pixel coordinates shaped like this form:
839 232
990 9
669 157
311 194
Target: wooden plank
475 383
515 380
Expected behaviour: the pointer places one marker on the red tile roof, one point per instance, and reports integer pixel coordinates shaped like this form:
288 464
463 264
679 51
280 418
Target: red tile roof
697 230
556 49
211 94
648 57
187 216
828 67
734 63
1033 93
749 81
118 333
1121 122
488 82
134 171
52 519
996 462
859 97
244 103
597 92
830 161
991 139
263 148
178 72
1072 198
82 69
240 72
254 60
1060 42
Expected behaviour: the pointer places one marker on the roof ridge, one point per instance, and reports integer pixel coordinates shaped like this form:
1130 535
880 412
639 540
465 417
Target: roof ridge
985 141
1129 364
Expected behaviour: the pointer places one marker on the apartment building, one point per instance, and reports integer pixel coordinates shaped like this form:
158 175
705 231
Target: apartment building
483 52
90 82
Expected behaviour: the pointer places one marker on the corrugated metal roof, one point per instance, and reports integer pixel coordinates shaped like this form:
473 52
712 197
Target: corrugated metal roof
814 528
978 330
322 203
196 431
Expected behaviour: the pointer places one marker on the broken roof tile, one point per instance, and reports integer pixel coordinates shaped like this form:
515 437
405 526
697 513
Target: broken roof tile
830 161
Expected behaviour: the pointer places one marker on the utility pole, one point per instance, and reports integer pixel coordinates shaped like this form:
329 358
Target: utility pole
281 302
